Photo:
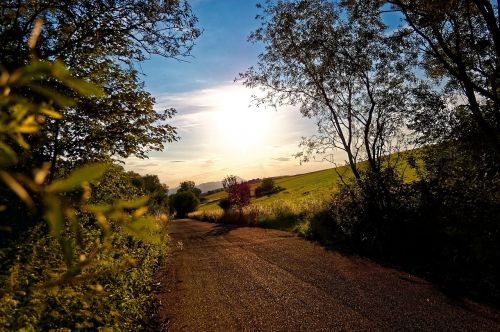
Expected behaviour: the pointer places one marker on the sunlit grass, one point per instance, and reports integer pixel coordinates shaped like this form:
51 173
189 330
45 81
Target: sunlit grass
300 190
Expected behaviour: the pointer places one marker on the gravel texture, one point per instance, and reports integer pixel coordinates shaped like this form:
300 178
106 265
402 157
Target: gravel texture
227 278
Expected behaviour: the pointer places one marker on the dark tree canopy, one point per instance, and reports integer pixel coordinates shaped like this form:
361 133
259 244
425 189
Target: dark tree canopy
77 32
184 202
458 40
189 186
101 41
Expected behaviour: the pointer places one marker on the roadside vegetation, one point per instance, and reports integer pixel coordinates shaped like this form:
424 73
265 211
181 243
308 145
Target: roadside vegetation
185 200
81 238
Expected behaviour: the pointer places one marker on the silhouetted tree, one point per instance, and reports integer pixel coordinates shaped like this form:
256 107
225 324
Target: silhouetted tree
340 69
267 187
459 41
189 186
184 202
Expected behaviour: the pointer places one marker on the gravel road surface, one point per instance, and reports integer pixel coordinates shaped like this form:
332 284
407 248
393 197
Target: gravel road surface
227 278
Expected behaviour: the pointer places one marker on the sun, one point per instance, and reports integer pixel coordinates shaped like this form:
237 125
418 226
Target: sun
240 126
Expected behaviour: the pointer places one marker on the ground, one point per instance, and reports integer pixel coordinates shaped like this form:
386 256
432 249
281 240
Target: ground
228 278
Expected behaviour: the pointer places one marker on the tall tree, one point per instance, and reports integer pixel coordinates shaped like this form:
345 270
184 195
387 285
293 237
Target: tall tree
341 70
101 40
459 40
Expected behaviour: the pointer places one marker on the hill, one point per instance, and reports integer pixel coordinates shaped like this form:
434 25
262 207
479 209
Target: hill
300 188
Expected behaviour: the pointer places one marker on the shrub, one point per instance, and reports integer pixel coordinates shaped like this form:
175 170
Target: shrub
184 202
238 192
268 187
267 184
224 204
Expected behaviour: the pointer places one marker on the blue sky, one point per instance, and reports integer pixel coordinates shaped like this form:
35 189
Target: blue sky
220 134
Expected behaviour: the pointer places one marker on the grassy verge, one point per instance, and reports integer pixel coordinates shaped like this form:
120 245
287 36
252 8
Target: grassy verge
279 214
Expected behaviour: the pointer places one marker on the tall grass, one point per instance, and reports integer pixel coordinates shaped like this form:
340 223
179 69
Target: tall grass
279 214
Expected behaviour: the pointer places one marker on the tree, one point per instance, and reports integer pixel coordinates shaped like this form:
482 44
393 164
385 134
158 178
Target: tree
460 41
339 69
101 41
184 202
267 184
238 192
189 186
267 187
186 199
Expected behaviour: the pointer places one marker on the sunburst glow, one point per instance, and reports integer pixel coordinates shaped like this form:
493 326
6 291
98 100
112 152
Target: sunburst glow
239 125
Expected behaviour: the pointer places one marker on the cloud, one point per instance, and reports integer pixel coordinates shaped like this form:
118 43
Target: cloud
177 161
149 165
282 159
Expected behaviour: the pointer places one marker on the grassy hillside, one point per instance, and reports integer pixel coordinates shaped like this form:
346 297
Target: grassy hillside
314 186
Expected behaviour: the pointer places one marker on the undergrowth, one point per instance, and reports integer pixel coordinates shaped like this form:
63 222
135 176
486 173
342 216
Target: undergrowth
110 294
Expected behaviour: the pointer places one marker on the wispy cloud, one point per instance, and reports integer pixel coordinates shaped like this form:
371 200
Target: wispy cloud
282 159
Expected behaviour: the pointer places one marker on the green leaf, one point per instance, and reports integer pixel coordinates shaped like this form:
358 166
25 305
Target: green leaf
54 214
7 155
50 112
133 204
99 208
58 98
84 88
144 228
78 177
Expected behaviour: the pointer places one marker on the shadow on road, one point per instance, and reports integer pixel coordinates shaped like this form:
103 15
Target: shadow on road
221 229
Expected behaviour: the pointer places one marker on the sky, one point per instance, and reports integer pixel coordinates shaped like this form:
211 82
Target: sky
221 133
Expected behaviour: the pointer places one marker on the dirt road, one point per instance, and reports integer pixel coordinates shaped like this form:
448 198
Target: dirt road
224 278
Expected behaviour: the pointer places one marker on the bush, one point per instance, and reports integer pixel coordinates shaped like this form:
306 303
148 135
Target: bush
267 184
267 187
184 202
115 293
238 192
224 204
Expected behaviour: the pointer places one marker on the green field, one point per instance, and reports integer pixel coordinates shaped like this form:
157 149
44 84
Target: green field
299 189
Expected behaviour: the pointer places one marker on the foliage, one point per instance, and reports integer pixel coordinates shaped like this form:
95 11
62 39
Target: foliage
59 268
267 184
267 187
113 293
458 41
238 192
341 70
118 184
184 202
189 186
224 204
186 199
100 41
